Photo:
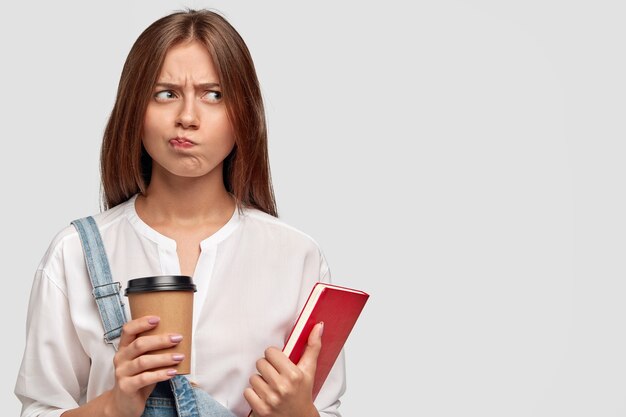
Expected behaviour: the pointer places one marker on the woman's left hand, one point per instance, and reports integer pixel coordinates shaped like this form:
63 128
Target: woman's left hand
281 388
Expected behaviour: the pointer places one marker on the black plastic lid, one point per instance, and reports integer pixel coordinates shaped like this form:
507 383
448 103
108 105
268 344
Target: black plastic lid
160 283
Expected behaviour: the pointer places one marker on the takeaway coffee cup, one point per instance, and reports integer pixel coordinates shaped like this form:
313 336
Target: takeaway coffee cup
171 298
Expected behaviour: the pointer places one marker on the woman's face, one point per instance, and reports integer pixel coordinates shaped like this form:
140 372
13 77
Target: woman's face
186 129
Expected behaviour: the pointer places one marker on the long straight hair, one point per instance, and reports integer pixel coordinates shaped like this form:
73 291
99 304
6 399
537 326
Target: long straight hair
124 163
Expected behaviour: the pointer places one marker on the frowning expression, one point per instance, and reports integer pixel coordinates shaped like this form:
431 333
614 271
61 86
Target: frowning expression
187 132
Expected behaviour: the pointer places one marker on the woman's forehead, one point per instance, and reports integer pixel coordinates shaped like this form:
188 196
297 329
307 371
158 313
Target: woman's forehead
188 62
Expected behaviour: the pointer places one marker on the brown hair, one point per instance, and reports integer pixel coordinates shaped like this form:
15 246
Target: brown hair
124 163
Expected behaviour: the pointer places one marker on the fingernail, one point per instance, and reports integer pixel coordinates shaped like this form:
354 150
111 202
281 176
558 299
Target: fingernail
321 328
176 338
171 372
178 357
154 320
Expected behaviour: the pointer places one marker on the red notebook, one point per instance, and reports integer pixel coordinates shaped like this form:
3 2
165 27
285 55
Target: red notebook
339 308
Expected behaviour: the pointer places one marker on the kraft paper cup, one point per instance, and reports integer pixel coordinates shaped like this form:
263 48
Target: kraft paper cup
171 298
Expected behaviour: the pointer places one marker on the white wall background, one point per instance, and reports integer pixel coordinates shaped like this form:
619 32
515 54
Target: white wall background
461 161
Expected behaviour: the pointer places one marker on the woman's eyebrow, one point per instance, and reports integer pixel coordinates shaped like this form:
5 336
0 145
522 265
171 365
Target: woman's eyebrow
178 87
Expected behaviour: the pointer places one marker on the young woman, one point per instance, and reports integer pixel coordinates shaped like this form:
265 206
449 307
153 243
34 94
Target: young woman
187 190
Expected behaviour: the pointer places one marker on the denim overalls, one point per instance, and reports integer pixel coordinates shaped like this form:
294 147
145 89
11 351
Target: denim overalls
173 398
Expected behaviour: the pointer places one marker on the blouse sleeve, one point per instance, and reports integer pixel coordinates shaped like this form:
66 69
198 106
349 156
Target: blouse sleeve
328 399
54 368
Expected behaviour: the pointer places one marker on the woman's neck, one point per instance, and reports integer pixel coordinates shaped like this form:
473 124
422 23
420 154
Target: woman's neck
179 201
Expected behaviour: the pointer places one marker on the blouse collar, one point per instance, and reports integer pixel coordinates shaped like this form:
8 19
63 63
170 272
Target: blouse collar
162 240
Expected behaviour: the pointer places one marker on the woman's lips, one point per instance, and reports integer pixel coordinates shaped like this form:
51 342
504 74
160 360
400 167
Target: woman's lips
181 143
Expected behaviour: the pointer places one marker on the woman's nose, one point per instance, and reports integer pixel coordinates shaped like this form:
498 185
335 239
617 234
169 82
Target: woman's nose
188 116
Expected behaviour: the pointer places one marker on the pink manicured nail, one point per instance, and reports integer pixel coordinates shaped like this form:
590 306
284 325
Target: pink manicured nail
178 357
176 338
171 372
154 320
321 328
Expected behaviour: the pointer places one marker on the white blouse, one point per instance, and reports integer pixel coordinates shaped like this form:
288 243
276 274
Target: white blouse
253 277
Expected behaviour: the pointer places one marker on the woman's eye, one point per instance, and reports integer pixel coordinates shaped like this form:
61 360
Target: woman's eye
164 95
213 96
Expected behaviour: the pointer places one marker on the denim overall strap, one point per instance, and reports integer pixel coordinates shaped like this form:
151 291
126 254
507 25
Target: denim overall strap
185 397
188 402
105 291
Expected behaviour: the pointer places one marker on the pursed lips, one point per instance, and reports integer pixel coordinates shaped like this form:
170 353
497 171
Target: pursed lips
182 142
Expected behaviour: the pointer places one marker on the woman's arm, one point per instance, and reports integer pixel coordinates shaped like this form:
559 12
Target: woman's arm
55 369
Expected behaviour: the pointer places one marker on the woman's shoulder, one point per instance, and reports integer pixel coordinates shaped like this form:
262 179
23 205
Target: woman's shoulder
272 227
103 220
290 242
66 241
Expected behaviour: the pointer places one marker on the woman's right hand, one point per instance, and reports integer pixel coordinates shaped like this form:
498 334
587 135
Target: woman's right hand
135 374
